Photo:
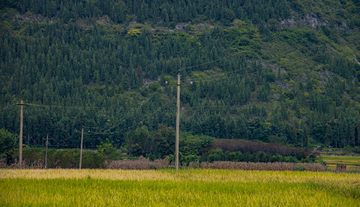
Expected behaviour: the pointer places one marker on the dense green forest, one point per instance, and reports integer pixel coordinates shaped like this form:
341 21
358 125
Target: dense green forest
276 71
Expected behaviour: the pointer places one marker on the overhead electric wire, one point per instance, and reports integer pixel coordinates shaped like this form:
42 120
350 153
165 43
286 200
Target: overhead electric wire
248 67
59 106
234 54
81 107
277 103
134 111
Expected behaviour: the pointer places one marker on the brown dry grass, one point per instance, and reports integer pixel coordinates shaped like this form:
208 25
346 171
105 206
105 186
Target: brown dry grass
37 164
3 163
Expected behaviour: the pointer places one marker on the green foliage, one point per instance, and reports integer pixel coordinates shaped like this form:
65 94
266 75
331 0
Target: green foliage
104 146
68 158
107 150
219 155
192 144
93 160
357 149
87 64
300 169
137 141
155 86
164 141
7 141
348 149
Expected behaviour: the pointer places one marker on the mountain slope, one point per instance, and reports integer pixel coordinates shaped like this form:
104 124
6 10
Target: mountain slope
271 71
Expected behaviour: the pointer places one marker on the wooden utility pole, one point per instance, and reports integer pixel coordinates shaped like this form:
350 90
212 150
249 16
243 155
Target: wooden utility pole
82 138
177 120
21 132
47 141
177 125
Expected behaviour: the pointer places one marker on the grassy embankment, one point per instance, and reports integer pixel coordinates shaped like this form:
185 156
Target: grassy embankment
183 188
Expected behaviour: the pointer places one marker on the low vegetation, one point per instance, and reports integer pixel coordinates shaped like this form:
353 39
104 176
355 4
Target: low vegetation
352 162
183 188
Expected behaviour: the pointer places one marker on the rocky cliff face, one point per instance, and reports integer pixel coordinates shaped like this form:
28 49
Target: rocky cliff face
307 20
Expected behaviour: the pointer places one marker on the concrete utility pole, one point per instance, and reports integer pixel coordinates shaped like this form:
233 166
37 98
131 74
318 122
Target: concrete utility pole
21 132
82 138
47 141
177 120
177 125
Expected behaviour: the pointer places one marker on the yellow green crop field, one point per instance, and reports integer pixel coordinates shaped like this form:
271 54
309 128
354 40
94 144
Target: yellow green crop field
352 162
183 188
349 160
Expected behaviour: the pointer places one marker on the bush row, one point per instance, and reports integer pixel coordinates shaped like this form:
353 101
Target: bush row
145 164
108 157
244 146
278 166
219 155
64 158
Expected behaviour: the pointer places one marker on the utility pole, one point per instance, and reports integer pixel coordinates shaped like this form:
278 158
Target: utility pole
82 138
47 141
21 132
177 125
177 120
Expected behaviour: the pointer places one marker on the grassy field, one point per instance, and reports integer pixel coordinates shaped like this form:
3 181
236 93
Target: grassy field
183 188
352 162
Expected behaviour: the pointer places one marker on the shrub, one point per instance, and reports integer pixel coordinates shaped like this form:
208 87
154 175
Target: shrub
255 147
154 86
357 149
219 155
300 169
304 160
262 166
140 164
348 149
192 144
270 77
109 151
92 160
69 158
7 141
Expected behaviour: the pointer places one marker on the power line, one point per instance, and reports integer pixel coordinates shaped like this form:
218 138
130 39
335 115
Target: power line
235 54
235 71
248 67
278 103
81 107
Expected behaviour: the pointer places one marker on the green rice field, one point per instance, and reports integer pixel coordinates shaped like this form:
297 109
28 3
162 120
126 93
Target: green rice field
182 188
352 162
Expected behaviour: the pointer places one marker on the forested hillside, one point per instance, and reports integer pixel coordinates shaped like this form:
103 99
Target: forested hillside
276 71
